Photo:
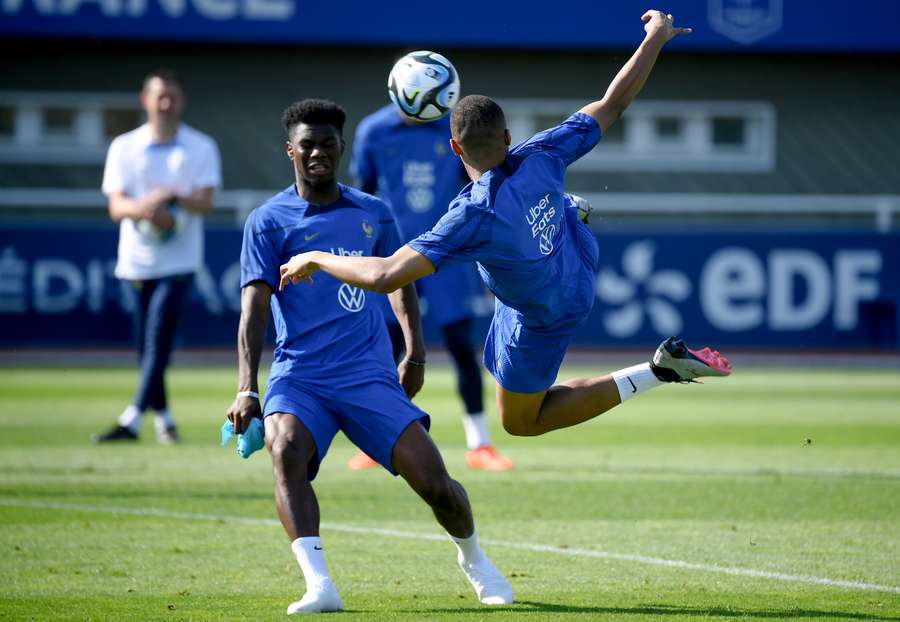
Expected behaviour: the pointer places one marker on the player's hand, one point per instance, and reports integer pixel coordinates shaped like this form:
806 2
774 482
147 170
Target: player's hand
412 377
161 217
154 200
659 24
154 207
241 411
300 268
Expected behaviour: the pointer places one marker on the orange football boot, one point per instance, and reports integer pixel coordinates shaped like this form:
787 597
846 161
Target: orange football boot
361 461
487 458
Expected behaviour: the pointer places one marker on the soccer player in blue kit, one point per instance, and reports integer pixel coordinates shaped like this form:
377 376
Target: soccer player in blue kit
533 253
333 368
412 168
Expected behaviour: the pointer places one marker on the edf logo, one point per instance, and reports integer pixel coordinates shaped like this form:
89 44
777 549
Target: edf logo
738 289
799 285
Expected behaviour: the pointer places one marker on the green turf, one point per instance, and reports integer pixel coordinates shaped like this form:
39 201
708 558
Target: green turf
793 472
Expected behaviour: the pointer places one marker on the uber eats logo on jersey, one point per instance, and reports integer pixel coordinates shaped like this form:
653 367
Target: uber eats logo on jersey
539 217
340 251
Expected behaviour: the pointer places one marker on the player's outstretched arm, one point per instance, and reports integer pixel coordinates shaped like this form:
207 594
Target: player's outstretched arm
251 334
380 274
660 28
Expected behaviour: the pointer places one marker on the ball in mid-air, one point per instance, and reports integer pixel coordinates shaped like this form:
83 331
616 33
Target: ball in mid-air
424 86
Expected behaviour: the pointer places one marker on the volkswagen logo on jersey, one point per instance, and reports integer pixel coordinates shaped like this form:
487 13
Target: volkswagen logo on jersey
546 242
353 299
419 179
419 199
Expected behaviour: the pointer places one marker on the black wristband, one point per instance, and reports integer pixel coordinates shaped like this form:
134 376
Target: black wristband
414 362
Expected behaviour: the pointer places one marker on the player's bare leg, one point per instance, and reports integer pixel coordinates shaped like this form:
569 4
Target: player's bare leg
575 401
561 406
292 447
418 461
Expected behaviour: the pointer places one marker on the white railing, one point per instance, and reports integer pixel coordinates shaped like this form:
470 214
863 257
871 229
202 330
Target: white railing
881 207
241 202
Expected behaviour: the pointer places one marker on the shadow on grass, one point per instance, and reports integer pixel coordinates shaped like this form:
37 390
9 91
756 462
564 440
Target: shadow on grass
525 607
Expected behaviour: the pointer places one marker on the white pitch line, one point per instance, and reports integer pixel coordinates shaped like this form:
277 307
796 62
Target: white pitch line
524 546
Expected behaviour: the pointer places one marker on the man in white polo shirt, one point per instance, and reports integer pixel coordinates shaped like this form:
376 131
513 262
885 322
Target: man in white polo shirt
159 179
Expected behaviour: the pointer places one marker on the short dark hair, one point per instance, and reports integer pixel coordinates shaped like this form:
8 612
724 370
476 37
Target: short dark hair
477 120
311 111
165 74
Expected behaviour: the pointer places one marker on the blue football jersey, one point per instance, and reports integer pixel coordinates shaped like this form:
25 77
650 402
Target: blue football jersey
512 222
411 166
328 328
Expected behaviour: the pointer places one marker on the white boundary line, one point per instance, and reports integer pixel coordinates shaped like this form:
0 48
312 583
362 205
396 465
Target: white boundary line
523 546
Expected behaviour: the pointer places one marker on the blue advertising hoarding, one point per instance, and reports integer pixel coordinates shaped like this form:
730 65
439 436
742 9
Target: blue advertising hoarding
759 25
752 290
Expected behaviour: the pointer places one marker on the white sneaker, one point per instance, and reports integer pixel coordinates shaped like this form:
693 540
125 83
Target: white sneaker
319 599
166 431
491 587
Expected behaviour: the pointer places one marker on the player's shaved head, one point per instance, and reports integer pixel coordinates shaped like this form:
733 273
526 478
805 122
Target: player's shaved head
313 112
479 125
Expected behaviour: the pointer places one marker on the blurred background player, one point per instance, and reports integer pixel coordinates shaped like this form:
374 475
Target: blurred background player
410 166
333 368
159 180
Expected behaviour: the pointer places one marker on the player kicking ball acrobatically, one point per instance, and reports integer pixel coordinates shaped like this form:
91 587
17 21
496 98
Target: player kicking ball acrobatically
333 368
405 157
533 253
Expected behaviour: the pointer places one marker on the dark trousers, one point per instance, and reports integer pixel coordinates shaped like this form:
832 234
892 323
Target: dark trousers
459 344
158 307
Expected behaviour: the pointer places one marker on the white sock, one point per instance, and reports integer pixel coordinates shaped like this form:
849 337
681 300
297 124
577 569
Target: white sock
311 558
634 380
131 418
477 433
469 550
164 418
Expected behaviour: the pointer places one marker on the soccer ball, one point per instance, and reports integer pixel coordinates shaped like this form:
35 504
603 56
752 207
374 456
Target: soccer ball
424 86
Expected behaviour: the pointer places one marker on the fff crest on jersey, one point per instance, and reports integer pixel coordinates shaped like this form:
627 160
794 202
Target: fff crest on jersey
353 299
367 228
745 21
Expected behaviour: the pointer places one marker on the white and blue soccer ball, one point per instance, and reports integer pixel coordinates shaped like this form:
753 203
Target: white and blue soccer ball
424 86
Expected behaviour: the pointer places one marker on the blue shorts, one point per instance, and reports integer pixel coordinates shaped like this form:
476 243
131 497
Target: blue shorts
373 411
445 296
526 358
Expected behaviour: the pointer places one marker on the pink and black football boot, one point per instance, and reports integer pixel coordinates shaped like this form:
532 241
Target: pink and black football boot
673 361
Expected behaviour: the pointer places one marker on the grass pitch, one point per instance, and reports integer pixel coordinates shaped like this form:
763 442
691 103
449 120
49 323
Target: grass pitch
753 497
